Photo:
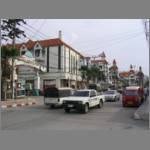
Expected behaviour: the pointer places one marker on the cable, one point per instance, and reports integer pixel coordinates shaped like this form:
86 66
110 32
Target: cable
27 28
120 40
38 31
44 21
113 36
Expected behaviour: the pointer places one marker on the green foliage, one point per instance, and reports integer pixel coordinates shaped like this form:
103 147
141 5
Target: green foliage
7 53
10 28
92 73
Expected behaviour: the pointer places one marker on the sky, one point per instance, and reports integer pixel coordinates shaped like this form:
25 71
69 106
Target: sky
120 39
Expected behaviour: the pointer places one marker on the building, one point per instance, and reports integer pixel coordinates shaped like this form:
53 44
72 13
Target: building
62 63
113 74
132 77
101 62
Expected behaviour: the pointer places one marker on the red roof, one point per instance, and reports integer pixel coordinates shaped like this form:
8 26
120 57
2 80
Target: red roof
45 43
99 61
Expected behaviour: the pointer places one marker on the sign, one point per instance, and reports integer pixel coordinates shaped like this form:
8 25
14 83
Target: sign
49 82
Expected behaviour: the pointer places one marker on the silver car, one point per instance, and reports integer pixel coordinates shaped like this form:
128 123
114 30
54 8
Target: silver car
112 95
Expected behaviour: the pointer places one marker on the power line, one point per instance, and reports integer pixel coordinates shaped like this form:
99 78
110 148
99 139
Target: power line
38 31
113 42
112 37
27 28
44 21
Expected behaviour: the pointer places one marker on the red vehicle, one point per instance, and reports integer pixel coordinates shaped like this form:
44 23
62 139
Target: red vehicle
133 96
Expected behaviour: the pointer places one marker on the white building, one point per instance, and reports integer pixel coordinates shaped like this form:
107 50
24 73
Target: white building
102 64
62 63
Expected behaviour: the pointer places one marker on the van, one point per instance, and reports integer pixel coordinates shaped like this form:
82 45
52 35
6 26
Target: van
133 96
53 96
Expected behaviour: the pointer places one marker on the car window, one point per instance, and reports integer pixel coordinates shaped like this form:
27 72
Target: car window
81 93
131 93
93 93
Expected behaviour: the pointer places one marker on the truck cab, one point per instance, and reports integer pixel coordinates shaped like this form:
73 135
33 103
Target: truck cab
82 100
133 96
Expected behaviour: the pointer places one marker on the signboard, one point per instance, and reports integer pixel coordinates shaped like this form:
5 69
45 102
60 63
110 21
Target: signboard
25 70
49 82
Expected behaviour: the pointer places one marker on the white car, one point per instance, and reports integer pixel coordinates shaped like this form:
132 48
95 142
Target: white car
82 100
111 95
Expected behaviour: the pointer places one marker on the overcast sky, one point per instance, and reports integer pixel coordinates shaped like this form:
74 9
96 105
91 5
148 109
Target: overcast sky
122 39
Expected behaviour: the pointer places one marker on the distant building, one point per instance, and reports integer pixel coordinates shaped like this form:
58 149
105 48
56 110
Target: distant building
101 62
113 74
132 77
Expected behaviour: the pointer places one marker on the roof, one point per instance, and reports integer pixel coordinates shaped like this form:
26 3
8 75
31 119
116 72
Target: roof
132 87
102 55
99 61
86 90
45 43
113 67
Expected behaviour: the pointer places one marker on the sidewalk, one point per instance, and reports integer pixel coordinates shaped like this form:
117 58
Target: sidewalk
143 111
26 101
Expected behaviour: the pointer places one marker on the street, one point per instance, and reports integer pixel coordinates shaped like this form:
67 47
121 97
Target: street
112 116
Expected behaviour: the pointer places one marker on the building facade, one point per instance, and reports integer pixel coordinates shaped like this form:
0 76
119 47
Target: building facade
114 74
101 62
62 63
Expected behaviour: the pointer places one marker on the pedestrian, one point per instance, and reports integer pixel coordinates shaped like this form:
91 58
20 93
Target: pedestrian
146 93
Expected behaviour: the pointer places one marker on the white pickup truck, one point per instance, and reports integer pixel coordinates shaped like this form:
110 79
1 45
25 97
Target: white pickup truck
82 100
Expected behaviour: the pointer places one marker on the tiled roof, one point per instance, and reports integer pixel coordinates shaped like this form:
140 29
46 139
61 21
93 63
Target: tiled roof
99 61
45 43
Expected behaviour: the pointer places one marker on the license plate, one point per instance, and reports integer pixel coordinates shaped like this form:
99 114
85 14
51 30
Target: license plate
70 105
130 103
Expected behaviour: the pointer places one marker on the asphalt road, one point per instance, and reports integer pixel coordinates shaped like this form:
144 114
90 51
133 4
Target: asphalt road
111 117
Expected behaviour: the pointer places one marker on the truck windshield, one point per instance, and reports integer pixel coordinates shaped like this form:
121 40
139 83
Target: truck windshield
81 93
131 93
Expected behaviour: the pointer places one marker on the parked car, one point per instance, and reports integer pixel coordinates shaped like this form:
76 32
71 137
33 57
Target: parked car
82 100
111 95
133 96
53 96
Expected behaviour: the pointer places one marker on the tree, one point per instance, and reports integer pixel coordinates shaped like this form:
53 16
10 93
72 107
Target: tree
6 68
10 29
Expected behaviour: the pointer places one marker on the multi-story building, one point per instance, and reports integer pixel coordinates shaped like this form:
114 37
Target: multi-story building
62 63
102 64
113 74
133 77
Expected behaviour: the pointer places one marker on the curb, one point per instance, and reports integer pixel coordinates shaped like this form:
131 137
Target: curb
18 105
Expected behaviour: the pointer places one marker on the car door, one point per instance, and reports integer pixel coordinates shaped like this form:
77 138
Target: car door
93 98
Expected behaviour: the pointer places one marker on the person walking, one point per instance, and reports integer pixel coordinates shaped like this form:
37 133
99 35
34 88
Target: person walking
146 93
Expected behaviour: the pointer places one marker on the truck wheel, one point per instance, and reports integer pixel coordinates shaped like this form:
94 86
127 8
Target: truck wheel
86 108
52 106
67 110
100 105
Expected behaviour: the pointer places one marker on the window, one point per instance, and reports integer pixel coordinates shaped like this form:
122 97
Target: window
23 52
43 52
93 94
37 53
81 93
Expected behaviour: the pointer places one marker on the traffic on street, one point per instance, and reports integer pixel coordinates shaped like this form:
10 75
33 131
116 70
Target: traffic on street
110 117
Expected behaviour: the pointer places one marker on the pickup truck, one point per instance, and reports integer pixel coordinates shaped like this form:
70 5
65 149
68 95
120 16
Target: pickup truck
82 100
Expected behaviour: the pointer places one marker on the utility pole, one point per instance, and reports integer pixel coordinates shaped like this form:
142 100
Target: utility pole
13 44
